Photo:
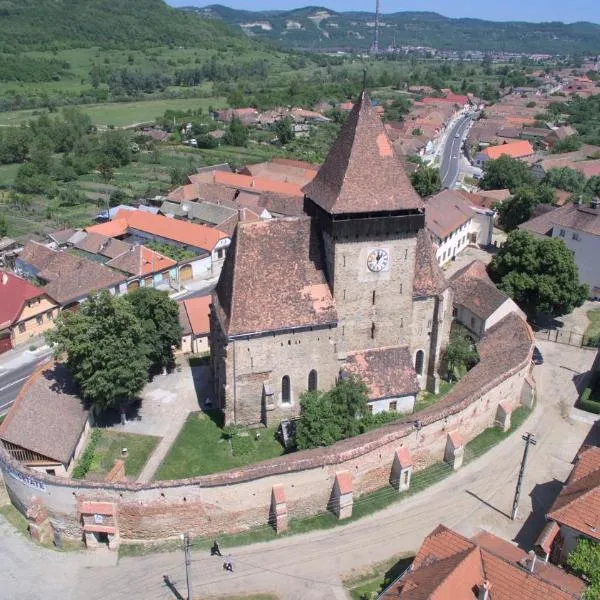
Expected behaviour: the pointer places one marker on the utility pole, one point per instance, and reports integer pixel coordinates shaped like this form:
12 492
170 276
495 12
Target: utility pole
185 541
529 440
376 39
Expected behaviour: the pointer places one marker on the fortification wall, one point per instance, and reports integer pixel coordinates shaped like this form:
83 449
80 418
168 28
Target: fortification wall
240 499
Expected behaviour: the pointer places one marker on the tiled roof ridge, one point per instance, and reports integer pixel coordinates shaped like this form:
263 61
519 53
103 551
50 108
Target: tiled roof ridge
591 481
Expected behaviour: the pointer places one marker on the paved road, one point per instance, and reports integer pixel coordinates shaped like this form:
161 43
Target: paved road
13 378
450 163
311 566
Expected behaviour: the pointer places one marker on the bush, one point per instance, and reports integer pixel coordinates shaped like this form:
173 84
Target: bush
593 341
241 445
590 406
85 462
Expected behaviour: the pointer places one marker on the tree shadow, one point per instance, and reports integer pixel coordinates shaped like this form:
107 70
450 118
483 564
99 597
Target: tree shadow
542 497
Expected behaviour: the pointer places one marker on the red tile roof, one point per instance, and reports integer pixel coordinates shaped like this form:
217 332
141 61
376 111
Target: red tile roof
198 310
14 293
190 234
404 457
446 212
283 256
578 504
278 493
456 439
429 279
97 508
514 149
248 182
140 261
362 172
344 482
114 228
449 566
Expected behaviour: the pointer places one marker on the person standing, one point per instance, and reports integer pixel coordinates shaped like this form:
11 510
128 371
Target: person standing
215 550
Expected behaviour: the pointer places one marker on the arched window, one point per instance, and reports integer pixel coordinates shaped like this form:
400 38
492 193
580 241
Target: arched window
419 357
313 381
286 392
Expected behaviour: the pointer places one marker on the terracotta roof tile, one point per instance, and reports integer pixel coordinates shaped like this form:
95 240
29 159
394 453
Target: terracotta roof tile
198 310
583 218
429 279
276 265
344 482
278 493
457 439
97 508
14 293
140 261
238 181
446 212
362 172
404 457
387 372
184 321
514 149
96 243
114 228
47 417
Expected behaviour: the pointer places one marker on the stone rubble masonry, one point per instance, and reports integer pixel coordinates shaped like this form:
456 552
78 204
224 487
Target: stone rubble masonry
503 415
240 499
40 528
455 450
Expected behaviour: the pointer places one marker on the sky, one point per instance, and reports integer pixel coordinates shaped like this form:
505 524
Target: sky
507 10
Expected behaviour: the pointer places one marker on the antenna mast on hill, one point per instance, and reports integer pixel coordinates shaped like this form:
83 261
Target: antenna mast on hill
376 38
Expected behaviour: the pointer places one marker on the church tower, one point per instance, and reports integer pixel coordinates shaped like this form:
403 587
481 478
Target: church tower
369 216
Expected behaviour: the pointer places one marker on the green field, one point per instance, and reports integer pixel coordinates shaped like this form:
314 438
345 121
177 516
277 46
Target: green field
121 114
202 447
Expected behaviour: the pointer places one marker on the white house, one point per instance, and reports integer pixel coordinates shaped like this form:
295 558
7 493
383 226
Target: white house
478 303
449 218
578 226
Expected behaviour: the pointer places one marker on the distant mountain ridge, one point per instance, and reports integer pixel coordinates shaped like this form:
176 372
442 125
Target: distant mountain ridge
318 28
57 24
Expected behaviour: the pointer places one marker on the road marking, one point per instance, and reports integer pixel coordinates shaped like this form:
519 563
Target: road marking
13 383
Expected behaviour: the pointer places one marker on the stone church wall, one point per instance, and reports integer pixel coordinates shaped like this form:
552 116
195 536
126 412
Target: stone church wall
240 499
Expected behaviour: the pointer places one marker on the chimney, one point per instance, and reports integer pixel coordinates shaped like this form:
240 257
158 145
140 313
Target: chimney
533 559
483 591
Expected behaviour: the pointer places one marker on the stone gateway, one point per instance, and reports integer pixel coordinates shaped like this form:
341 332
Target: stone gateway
352 287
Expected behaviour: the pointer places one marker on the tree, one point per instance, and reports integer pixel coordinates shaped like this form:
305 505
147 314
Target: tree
584 560
565 178
461 354
505 172
284 131
426 181
519 208
540 275
569 144
104 345
326 418
3 226
159 316
237 134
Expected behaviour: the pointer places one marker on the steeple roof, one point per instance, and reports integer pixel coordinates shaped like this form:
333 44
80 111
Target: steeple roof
362 172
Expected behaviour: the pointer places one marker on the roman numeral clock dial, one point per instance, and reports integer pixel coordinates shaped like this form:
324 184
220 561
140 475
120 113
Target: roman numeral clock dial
378 260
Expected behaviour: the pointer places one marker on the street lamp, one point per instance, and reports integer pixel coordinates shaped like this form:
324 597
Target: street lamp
185 543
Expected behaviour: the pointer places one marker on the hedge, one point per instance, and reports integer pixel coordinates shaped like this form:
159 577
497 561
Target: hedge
589 405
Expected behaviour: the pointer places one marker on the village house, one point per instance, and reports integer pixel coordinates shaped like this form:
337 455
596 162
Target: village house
357 276
578 226
9 250
136 227
33 435
541 166
485 567
519 149
248 116
67 278
576 511
478 303
195 326
26 311
448 216
559 134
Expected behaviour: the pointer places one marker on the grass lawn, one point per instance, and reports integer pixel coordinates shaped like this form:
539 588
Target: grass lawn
593 329
14 517
201 448
108 449
428 399
368 584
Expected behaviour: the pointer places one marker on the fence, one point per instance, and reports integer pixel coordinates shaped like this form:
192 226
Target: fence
561 336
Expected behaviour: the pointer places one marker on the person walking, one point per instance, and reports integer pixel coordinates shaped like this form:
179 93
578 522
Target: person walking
228 564
215 550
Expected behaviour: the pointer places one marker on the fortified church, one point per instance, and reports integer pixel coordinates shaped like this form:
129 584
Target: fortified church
353 287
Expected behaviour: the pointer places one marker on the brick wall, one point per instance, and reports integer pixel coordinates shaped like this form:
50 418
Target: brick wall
240 499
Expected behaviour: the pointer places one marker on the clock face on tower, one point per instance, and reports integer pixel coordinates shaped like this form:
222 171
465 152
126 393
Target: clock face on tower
378 260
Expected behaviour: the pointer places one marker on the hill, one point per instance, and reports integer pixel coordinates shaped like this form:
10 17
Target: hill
59 24
317 28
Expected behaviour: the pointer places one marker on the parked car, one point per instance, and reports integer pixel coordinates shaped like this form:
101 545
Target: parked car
537 357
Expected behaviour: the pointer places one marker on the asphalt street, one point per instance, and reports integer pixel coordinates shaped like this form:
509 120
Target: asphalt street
13 379
450 163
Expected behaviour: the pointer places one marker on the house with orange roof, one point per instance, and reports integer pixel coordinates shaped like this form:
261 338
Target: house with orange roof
26 311
195 325
516 149
207 244
484 567
576 511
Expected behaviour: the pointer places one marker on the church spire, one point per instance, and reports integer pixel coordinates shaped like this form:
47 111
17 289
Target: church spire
362 172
